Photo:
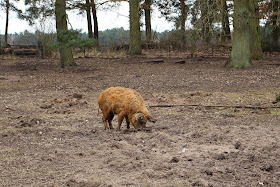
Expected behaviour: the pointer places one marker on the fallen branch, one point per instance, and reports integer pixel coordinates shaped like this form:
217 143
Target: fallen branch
216 106
180 62
153 61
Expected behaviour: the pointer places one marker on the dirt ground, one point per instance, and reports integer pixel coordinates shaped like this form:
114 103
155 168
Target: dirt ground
216 126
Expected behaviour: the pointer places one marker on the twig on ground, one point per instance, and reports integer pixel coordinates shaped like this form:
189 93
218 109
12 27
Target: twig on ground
217 106
154 61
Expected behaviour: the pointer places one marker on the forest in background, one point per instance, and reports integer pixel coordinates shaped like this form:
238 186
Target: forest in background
120 36
197 23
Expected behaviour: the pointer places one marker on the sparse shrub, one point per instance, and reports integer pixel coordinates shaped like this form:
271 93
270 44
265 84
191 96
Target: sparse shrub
73 38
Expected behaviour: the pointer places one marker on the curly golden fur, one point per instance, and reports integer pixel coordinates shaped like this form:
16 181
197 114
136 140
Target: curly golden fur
126 103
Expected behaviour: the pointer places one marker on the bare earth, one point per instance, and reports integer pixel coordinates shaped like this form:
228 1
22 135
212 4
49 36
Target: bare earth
50 138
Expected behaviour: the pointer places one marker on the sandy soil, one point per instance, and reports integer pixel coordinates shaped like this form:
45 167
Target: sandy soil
50 138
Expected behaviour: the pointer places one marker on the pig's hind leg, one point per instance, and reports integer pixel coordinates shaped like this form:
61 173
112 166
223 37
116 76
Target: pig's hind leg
120 120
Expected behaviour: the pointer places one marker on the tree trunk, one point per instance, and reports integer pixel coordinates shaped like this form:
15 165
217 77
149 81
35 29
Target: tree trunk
255 31
240 56
7 22
203 9
95 22
276 28
225 22
183 23
207 19
66 56
0 43
148 21
135 34
90 33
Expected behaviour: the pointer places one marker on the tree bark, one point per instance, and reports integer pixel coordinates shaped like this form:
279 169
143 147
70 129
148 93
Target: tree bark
276 27
66 56
240 56
206 20
148 21
225 22
95 22
90 33
135 34
7 22
255 31
0 43
183 23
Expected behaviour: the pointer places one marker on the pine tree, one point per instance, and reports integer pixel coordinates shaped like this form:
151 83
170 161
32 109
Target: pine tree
255 36
240 56
90 33
276 25
135 34
8 5
94 15
225 21
66 56
147 8
175 11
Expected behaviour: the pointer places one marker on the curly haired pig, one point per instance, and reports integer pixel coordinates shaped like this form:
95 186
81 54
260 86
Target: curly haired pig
126 103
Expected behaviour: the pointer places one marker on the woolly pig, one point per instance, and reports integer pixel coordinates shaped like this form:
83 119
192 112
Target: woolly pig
126 103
